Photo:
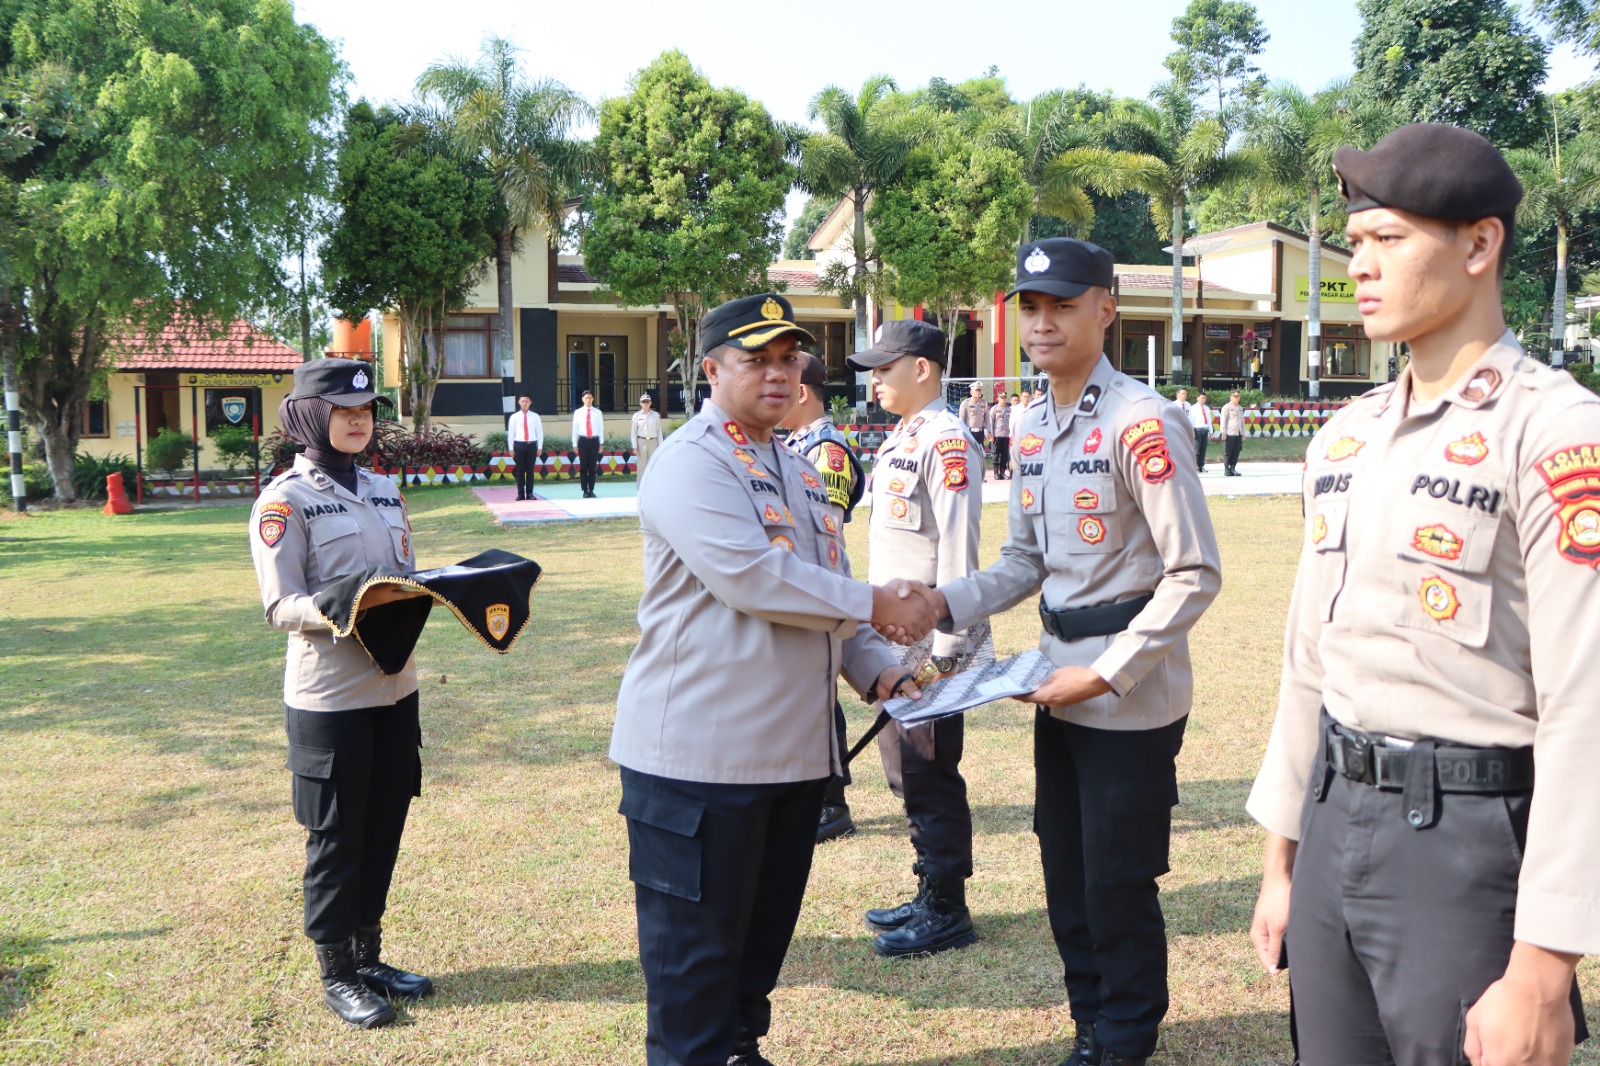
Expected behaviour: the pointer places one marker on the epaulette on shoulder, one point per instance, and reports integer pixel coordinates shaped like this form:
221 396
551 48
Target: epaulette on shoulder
287 475
1559 385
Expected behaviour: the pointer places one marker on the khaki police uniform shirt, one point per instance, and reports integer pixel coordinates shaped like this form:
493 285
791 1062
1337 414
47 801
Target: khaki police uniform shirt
1232 420
1106 505
306 532
927 499
1447 588
748 617
645 425
1000 420
974 415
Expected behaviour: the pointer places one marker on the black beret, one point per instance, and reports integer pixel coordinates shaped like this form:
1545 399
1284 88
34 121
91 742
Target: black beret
901 336
750 322
1062 266
343 382
1432 170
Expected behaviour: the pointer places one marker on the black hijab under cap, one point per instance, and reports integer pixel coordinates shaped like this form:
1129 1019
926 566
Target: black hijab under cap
306 421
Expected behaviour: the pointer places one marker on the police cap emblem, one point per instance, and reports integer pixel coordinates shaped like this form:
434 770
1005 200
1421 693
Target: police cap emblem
1037 262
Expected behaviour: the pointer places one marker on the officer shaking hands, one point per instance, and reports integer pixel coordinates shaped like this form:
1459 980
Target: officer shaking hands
925 513
1108 516
1438 660
724 732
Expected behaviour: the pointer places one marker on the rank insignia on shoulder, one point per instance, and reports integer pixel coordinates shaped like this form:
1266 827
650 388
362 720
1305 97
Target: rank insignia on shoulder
1091 443
1484 384
1573 477
1438 598
1439 541
1032 444
1468 450
783 542
273 521
1091 400
735 431
1091 529
1344 448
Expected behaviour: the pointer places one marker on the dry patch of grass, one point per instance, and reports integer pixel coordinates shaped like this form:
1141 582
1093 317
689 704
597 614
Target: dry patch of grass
149 864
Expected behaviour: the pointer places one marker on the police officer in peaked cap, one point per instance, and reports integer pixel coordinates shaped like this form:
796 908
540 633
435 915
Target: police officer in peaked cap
1429 787
353 731
1109 527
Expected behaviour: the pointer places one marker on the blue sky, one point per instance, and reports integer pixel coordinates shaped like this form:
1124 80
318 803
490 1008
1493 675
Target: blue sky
782 55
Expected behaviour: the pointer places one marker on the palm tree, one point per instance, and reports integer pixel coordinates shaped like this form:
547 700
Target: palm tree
1193 151
1291 142
1063 159
521 130
1558 182
864 146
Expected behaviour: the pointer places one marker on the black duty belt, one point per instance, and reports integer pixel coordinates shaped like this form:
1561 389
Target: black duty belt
1376 761
1074 623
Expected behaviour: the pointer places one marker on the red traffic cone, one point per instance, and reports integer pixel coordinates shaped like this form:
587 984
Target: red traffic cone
116 496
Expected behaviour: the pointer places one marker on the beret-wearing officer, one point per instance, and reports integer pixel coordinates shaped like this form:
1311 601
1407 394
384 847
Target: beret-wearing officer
1108 516
724 731
1440 643
813 434
927 500
353 730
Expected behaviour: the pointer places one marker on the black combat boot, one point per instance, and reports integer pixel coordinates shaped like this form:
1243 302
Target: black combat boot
941 922
835 822
747 1053
883 919
1086 1050
382 978
1113 1059
344 992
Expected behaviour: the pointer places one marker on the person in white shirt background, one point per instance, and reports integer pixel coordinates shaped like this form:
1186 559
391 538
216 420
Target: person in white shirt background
525 431
1200 419
588 429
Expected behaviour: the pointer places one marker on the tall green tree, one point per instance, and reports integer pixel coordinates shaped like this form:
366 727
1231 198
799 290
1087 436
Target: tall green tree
947 231
170 196
1292 140
692 189
521 131
415 233
1470 63
806 222
1576 21
1559 183
1193 149
1218 42
864 147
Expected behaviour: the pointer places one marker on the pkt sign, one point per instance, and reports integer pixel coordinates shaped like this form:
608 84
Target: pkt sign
1334 290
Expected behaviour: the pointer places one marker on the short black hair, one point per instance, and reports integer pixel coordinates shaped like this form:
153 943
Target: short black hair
587 392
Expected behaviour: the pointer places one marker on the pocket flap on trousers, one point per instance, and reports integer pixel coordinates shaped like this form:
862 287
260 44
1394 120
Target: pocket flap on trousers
1142 797
311 762
675 814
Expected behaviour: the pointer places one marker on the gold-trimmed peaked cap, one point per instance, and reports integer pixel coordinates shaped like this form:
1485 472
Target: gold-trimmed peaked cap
750 322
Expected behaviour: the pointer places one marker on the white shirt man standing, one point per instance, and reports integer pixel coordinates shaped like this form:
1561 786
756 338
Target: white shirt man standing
525 431
588 430
1200 419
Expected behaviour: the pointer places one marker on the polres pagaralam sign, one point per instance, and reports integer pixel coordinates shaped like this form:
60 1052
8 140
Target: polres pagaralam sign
234 380
1334 290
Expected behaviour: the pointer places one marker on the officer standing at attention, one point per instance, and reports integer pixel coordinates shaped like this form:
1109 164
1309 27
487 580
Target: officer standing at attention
1000 433
644 431
1108 515
974 414
1437 891
724 731
588 430
813 434
525 430
353 730
925 512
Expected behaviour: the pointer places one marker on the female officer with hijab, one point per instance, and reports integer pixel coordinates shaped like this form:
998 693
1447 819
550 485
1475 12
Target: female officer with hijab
353 730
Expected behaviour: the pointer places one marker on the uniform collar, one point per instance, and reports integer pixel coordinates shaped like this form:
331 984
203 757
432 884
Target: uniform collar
807 430
1477 388
1090 402
314 473
916 421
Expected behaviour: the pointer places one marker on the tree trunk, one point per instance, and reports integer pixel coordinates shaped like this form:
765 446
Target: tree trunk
1314 296
8 363
858 202
552 269
305 305
504 346
1558 305
1177 287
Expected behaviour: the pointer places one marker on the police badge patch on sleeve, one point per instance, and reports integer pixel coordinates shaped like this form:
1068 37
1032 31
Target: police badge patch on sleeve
271 522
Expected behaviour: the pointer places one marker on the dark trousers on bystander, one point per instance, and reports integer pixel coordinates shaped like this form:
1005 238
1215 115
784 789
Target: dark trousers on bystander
1202 439
355 773
526 453
923 765
1231 447
588 462
1002 457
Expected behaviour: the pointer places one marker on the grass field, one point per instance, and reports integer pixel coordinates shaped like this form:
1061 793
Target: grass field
150 866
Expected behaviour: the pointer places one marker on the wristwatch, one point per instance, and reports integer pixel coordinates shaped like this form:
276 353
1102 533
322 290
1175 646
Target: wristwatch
943 663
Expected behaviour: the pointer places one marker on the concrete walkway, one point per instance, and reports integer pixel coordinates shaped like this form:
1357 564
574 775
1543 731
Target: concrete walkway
564 502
